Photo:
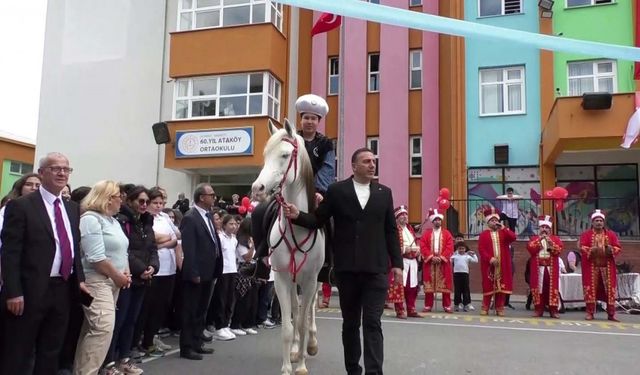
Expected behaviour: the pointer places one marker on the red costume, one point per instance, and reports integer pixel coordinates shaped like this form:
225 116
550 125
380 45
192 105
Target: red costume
496 280
544 269
599 276
436 247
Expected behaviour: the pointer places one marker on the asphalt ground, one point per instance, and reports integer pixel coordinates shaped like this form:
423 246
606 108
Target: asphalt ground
439 343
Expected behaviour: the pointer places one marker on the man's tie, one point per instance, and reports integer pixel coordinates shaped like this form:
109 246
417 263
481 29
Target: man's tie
65 245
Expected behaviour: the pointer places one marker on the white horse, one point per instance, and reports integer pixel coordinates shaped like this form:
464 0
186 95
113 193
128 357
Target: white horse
297 253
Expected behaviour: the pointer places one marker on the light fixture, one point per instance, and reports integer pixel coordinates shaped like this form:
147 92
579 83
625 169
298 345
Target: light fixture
546 4
546 14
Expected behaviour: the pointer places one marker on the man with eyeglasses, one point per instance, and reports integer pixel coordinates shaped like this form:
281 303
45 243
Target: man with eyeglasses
201 266
42 271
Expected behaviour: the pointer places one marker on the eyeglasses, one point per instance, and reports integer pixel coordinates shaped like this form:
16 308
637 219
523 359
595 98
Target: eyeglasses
143 202
57 170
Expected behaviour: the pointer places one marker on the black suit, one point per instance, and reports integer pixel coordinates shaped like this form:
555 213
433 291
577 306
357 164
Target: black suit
365 243
203 259
28 250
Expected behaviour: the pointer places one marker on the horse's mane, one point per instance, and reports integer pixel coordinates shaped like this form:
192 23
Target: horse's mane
305 170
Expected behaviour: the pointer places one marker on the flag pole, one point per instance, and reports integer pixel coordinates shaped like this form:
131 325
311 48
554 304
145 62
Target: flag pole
341 65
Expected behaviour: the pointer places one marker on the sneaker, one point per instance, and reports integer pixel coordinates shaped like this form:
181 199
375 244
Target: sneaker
154 351
228 330
268 324
164 332
161 345
111 369
137 353
223 335
208 333
458 307
127 367
238 332
250 331
469 307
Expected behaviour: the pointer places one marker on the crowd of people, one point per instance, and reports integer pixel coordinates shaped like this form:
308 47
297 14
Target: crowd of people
91 276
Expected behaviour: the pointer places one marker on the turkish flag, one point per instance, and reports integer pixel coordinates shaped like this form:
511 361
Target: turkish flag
326 22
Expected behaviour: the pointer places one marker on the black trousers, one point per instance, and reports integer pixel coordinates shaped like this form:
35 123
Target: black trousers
174 316
362 297
246 309
154 309
39 333
195 301
462 293
223 301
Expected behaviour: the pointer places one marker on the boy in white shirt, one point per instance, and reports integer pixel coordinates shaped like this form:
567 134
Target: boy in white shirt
461 259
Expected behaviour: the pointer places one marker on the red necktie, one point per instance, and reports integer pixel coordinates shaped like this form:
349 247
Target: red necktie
65 245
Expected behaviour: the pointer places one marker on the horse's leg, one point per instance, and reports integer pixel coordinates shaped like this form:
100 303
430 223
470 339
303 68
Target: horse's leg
312 345
295 316
283 287
309 291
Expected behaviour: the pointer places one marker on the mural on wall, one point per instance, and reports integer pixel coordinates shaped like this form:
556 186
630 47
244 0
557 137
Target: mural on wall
486 184
611 188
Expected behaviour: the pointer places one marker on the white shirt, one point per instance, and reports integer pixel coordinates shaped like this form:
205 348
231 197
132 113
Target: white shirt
510 206
363 191
461 261
435 240
2 221
166 256
229 244
48 200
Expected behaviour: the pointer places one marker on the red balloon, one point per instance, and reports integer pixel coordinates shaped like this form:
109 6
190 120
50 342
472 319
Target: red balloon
245 202
445 193
548 194
559 192
443 204
242 210
250 208
559 204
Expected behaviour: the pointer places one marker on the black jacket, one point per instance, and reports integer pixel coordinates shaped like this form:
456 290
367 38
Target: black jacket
143 251
29 247
202 255
364 240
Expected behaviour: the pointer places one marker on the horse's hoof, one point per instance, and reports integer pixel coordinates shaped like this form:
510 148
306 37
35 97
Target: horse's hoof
312 350
303 371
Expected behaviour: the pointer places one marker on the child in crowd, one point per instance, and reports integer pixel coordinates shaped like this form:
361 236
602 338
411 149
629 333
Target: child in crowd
461 259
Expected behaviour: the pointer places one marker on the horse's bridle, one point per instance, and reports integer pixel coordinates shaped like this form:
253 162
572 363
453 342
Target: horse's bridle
293 267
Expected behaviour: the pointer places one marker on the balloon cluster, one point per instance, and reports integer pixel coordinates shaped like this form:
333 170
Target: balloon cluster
559 195
443 199
245 206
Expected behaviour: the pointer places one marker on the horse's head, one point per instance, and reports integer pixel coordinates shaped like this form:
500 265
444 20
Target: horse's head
282 159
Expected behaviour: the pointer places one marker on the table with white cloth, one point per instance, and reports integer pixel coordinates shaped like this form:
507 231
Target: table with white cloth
573 297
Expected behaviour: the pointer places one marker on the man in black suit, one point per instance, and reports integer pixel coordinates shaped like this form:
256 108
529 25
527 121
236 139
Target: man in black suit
365 242
201 265
42 271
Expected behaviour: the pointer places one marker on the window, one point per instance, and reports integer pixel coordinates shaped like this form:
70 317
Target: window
372 144
415 151
579 3
415 69
592 76
19 168
254 94
502 91
415 3
201 14
374 1
334 76
374 72
499 7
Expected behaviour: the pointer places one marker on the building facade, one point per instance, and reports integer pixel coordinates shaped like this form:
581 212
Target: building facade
16 159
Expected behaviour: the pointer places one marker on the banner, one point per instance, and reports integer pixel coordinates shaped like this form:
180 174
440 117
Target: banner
215 142
428 22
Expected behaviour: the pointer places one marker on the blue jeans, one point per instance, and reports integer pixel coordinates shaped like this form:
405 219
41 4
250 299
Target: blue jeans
127 311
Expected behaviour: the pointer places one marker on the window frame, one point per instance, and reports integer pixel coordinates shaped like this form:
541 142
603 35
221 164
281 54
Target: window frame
595 75
505 85
413 155
372 74
376 151
591 3
502 10
271 98
22 168
273 13
330 75
412 69
415 3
